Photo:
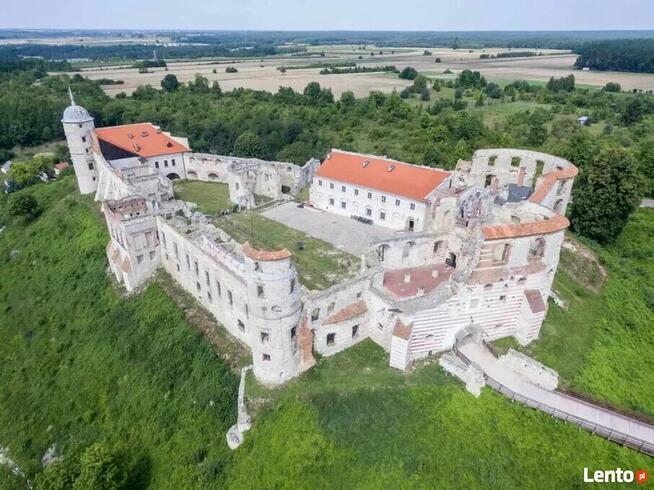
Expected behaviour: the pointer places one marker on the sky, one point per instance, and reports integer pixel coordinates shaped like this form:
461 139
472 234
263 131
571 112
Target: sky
433 15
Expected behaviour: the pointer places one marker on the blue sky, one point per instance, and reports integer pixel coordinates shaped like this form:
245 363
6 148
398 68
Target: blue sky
330 14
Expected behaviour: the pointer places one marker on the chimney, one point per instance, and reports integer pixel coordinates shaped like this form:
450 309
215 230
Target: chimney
421 290
434 273
407 277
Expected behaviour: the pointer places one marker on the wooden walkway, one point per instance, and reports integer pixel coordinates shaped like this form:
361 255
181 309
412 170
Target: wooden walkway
602 421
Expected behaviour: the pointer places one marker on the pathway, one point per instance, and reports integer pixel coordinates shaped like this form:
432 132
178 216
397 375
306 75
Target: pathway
599 420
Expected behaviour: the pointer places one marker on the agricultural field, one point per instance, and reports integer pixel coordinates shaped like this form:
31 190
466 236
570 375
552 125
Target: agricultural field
264 74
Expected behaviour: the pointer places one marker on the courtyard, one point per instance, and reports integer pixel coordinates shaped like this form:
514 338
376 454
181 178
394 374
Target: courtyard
345 234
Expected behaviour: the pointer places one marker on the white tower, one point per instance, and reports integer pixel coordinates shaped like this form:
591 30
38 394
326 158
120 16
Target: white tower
78 125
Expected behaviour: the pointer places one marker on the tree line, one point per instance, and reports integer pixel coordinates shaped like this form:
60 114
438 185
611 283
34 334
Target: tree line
633 55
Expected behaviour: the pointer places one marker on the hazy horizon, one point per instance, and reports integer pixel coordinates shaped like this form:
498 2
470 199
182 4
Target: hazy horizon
338 15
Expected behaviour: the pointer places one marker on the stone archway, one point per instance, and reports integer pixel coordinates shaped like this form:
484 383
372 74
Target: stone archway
173 176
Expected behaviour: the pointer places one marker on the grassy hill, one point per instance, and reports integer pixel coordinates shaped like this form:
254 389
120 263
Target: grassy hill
80 364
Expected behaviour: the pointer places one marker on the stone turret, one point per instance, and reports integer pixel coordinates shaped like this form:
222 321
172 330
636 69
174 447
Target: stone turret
275 310
78 125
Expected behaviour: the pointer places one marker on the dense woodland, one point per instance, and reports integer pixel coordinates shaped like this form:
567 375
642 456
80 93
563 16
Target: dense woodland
635 55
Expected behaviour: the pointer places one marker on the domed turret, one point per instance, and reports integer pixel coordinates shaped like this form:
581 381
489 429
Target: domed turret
74 113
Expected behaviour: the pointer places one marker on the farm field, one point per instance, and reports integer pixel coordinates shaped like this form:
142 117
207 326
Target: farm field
263 74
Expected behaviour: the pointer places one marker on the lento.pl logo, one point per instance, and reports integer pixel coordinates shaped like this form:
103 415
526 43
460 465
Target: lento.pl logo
617 475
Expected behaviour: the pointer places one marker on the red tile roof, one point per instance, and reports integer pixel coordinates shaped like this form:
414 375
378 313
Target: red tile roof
143 139
549 180
554 224
404 179
255 254
401 330
535 300
62 165
404 283
347 313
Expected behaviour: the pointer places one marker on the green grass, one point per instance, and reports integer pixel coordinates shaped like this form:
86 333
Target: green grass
211 197
354 422
80 364
319 264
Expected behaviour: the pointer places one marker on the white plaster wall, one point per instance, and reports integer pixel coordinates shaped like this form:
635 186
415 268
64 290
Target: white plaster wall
396 216
78 137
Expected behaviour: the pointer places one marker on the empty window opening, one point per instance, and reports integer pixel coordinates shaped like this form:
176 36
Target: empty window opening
355 331
265 337
266 357
241 325
331 338
315 314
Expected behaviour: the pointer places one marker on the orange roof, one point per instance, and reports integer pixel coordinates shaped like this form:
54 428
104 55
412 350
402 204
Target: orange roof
347 313
144 139
549 180
401 330
255 254
403 179
554 224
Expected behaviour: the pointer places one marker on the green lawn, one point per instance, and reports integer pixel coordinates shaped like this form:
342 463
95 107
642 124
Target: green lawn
319 264
211 197
81 364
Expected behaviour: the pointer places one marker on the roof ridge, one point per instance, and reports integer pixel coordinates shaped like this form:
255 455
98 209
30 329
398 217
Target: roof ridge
387 159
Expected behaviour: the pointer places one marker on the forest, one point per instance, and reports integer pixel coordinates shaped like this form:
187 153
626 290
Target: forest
634 55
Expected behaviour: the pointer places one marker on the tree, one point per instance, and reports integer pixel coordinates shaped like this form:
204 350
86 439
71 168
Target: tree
98 470
424 94
405 93
169 83
231 69
612 87
607 192
437 85
347 99
493 90
633 112
199 86
408 73
24 206
419 83
249 145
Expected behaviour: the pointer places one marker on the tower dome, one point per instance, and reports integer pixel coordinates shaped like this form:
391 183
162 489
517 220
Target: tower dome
75 113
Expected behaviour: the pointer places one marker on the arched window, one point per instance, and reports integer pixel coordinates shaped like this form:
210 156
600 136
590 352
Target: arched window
438 246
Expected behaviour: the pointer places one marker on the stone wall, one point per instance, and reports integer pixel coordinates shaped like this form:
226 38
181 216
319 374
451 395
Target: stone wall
532 370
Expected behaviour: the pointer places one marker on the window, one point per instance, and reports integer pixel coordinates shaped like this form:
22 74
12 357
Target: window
197 286
188 262
218 289
206 278
196 268
156 164
382 215
172 162
331 202
247 310
177 265
356 192
330 308
380 326
209 297
397 202
293 332
320 183
292 285
265 337
368 212
230 298
412 206
83 139
383 199
331 338
342 188
503 298
359 294
259 291
266 357
331 185
370 195
152 255
90 165
294 339
241 325
355 331
343 204
165 163
139 258
176 250
315 314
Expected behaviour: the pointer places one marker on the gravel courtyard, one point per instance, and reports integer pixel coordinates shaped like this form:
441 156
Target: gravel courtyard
344 233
